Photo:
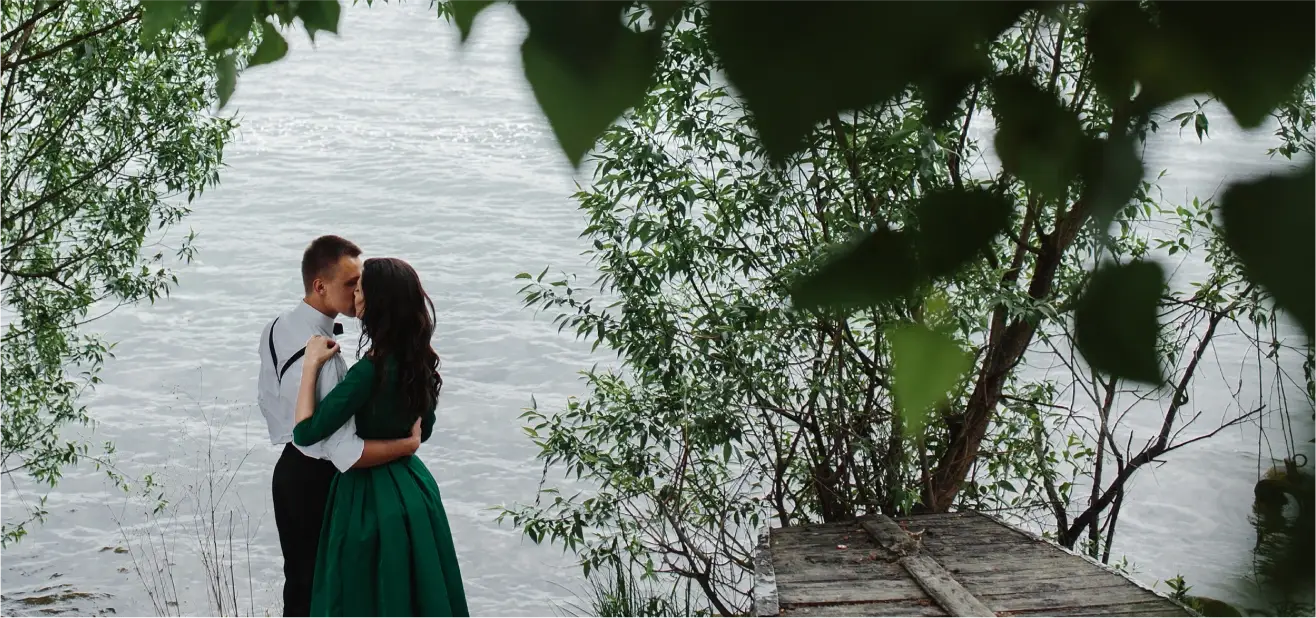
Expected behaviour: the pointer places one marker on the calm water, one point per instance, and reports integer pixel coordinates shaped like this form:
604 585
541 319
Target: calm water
398 138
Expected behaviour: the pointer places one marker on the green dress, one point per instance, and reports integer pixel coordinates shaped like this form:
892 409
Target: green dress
385 547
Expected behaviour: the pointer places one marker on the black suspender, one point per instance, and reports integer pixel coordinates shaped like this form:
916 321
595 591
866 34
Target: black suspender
274 356
292 360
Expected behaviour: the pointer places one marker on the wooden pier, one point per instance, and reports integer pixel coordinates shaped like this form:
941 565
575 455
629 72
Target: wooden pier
952 564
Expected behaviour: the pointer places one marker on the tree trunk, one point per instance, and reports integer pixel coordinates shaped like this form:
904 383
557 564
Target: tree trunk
1006 346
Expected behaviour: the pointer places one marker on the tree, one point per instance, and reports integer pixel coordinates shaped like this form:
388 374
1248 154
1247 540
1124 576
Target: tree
732 405
108 135
797 64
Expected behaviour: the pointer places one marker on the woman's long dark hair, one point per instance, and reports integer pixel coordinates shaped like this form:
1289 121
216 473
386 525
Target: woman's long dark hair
399 322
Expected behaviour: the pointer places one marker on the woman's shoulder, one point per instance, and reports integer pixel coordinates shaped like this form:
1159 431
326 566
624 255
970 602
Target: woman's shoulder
386 363
363 366
372 364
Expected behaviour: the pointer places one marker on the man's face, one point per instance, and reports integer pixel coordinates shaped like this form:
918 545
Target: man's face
338 286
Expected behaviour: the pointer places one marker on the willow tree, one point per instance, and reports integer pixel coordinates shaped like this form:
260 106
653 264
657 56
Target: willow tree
108 136
733 403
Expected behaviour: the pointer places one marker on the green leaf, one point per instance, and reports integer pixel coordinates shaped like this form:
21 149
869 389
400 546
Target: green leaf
1112 174
1115 324
1037 139
318 15
926 366
797 63
227 78
1252 54
870 269
224 24
464 13
1268 223
1202 127
1110 57
956 226
585 68
272 46
951 228
943 93
160 15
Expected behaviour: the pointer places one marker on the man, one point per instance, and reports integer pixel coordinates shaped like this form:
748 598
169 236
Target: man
331 269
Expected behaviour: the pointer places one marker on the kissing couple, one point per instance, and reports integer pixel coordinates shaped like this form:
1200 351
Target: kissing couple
361 524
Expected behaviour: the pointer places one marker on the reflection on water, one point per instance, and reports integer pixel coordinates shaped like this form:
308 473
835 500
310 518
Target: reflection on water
395 137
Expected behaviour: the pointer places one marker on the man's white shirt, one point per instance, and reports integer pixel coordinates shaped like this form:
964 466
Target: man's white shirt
278 397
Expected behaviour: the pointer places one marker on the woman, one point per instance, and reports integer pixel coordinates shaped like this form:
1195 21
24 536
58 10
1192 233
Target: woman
386 549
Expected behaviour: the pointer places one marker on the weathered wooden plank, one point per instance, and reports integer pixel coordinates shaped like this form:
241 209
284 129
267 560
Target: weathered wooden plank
975 536
1027 572
812 593
951 523
980 538
834 537
1160 607
951 548
806 533
945 516
889 535
972 530
765 578
1062 597
953 535
813 529
1075 574
894 608
1023 585
967 528
939 584
1000 568
865 570
788 560
985 527
958 564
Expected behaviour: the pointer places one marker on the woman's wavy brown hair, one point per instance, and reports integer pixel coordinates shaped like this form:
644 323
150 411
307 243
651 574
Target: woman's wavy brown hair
399 323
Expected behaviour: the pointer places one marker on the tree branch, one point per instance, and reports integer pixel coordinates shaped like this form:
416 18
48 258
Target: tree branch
9 66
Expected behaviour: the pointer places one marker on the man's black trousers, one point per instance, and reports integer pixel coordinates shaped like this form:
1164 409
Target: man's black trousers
301 489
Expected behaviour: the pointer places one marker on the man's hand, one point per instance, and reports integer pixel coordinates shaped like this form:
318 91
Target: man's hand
414 440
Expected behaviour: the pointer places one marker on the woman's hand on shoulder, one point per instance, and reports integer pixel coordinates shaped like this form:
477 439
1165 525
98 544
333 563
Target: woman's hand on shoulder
320 349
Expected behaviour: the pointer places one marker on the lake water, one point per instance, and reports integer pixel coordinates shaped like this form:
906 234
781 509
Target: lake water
398 138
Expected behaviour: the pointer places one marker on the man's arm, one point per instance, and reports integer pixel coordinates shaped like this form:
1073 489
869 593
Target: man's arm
379 452
349 452
344 448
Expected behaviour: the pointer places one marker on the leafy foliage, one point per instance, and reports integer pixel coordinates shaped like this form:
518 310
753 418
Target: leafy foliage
619 591
796 65
1269 226
947 230
107 136
754 385
925 365
848 117
1116 319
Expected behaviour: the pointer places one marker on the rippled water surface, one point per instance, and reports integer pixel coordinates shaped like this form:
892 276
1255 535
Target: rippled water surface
396 137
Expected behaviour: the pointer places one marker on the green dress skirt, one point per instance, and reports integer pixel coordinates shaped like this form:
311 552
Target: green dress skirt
385 546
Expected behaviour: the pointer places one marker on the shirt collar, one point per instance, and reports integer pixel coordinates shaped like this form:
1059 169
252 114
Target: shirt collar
310 316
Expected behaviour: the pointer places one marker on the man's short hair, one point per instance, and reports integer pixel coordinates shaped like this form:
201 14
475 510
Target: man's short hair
323 254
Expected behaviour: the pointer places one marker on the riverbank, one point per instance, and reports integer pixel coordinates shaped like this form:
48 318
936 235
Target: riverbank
364 137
